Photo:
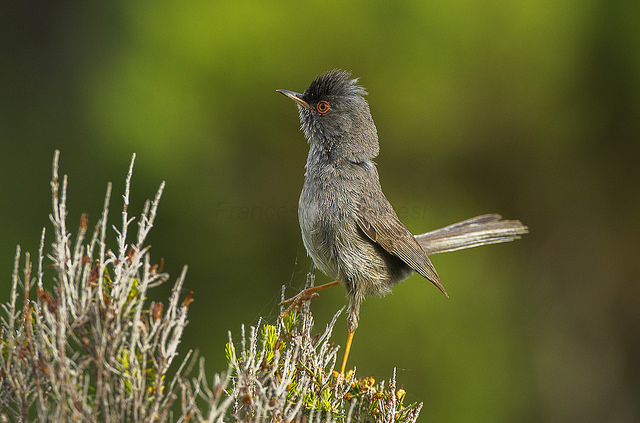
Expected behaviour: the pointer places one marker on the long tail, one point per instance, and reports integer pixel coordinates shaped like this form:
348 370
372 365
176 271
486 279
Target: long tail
480 230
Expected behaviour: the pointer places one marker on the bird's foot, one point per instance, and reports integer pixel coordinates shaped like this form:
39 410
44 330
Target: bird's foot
307 294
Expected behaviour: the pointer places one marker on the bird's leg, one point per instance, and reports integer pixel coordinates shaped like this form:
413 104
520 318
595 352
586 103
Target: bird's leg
347 348
305 295
355 298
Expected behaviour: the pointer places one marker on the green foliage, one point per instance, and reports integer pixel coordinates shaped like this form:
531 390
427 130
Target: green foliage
314 389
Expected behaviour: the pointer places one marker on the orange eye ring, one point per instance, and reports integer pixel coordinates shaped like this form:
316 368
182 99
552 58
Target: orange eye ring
322 107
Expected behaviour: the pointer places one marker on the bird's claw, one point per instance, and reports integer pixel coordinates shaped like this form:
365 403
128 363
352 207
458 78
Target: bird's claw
297 300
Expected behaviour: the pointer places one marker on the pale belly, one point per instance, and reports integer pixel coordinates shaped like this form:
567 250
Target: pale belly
343 252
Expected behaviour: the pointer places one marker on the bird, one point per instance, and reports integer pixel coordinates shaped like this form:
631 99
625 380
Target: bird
349 228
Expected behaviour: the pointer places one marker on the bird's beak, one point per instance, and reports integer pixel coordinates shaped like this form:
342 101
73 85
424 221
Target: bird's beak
297 97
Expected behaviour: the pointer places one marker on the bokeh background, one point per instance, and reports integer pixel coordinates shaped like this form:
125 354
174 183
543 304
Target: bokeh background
529 109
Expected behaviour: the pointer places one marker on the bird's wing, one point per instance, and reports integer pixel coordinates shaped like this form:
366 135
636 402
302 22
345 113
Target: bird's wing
385 229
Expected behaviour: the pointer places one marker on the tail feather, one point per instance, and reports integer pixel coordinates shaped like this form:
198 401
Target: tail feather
480 230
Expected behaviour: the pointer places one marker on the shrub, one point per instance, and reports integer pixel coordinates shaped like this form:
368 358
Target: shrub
90 347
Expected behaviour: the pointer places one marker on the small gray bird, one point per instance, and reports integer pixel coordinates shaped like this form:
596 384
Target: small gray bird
349 228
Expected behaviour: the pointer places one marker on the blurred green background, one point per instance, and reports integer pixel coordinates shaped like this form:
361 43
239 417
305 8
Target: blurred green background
529 109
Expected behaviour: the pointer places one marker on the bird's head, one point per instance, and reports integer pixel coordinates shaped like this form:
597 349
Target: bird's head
335 117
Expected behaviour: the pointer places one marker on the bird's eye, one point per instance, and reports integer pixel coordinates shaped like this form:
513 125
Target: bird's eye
323 107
